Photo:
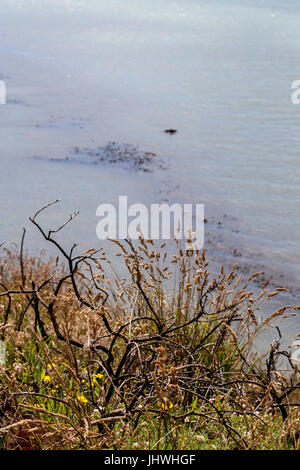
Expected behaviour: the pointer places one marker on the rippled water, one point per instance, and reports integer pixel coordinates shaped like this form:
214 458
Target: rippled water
85 73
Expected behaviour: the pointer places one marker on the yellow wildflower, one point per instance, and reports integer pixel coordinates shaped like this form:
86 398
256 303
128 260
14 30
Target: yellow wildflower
95 377
82 398
47 378
98 376
166 406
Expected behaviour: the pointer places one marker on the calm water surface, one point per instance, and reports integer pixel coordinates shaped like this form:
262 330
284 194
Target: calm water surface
83 73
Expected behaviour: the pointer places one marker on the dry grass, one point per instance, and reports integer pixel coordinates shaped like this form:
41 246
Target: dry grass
162 359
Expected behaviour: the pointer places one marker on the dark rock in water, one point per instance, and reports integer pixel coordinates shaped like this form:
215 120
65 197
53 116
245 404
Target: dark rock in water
171 131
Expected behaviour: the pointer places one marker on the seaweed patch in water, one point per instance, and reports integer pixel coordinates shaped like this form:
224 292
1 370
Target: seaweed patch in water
125 155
